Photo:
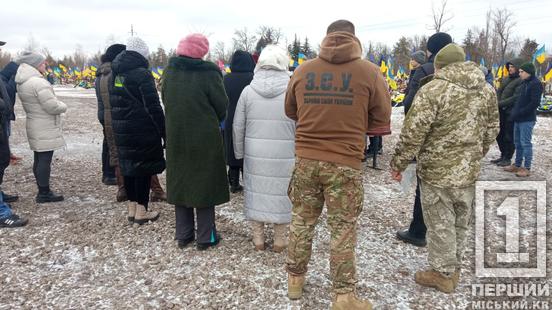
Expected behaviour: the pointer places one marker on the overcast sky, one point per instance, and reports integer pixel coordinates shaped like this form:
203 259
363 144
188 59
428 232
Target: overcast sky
60 25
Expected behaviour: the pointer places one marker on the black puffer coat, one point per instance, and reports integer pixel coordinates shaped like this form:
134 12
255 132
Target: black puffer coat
241 68
138 119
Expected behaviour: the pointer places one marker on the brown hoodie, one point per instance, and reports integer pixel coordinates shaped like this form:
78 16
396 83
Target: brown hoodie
336 99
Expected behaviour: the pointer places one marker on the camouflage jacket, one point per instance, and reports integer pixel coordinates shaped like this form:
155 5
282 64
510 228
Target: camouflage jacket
452 123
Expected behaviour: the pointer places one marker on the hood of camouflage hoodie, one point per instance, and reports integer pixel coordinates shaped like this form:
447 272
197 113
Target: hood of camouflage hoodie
464 74
340 47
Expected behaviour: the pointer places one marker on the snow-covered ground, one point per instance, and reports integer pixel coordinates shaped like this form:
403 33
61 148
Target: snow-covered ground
82 253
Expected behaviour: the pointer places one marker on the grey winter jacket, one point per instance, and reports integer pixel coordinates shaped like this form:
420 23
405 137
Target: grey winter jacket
265 138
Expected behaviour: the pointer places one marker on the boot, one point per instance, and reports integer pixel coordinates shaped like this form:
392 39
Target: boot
109 181
234 180
435 279
350 302
142 216
121 192
131 211
495 161
504 162
258 235
295 286
511 168
280 238
456 277
46 195
157 192
9 198
407 237
523 173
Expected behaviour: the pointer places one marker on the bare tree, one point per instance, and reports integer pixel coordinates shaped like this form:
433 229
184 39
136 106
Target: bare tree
267 35
243 40
5 57
79 57
48 54
219 52
440 16
32 44
503 27
419 42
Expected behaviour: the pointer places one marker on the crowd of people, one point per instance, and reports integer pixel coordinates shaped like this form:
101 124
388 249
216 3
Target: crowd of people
298 138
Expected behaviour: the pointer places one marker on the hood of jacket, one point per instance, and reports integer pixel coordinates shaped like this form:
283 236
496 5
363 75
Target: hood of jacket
340 47
128 60
9 70
464 74
242 62
104 69
270 83
517 62
192 64
25 72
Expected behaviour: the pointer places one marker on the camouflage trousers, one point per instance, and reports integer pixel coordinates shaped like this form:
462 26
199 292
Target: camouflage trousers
313 183
447 215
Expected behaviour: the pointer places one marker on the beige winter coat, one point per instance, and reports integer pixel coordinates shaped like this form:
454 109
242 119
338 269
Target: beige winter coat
43 110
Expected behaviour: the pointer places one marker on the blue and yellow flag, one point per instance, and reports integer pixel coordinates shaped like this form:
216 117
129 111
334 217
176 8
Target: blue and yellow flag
548 75
383 67
540 55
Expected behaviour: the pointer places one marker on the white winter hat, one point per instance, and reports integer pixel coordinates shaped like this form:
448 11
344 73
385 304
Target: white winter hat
138 45
273 57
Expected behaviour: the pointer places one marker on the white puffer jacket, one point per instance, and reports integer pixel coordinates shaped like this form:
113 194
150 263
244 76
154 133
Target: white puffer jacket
43 110
265 138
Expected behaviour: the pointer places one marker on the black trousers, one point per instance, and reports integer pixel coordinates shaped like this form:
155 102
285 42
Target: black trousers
505 138
107 170
138 189
376 143
4 151
205 217
42 168
234 174
417 227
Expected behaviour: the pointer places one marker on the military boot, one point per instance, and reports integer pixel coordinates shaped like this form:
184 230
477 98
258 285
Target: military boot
295 286
280 239
142 216
456 277
350 302
435 279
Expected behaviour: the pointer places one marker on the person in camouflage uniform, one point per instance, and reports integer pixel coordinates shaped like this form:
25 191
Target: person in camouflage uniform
453 121
314 182
335 99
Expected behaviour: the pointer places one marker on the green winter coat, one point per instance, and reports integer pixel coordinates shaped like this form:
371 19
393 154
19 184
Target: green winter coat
195 104
510 88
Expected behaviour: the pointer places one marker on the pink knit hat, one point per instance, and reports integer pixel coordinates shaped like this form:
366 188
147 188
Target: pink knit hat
194 45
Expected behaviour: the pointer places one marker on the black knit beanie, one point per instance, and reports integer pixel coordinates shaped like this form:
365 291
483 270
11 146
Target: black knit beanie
437 41
112 52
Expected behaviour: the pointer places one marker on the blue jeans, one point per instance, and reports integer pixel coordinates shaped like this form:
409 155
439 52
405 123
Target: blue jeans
5 210
523 132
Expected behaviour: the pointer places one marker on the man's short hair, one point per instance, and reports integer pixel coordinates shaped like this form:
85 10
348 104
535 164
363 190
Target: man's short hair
341 25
